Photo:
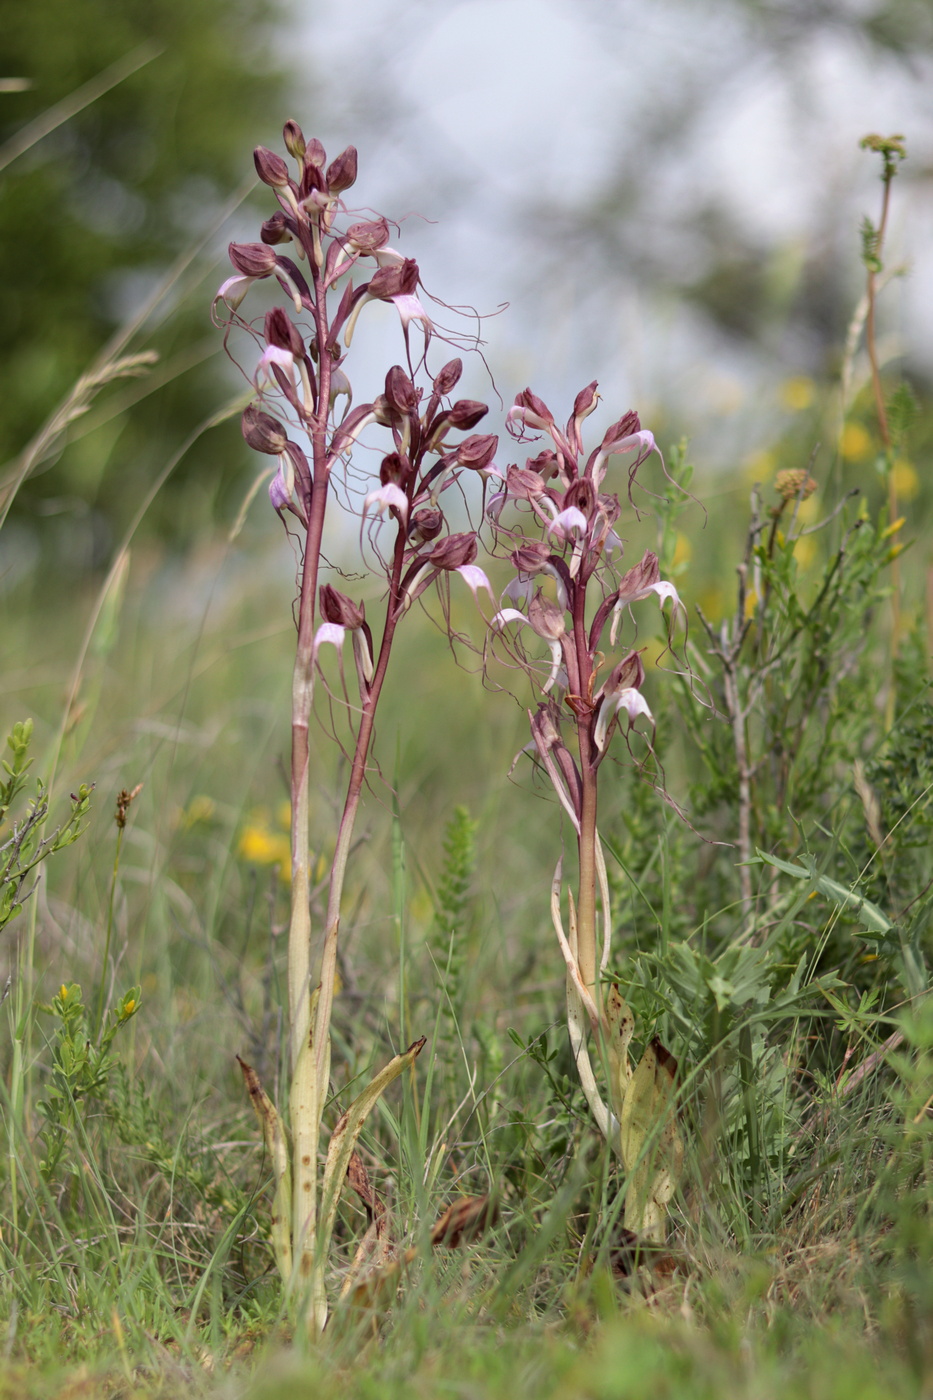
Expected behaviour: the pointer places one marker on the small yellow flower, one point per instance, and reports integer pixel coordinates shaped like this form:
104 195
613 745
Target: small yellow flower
683 550
200 809
710 601
855 444
906 480
260 846
797 393
805 551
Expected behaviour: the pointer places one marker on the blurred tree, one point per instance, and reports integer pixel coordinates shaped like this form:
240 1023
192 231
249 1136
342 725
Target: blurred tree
93 214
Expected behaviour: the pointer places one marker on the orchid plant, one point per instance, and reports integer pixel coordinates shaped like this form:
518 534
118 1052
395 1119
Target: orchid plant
570 593
303 417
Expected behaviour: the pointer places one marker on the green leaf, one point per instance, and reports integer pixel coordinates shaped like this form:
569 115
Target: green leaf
868 915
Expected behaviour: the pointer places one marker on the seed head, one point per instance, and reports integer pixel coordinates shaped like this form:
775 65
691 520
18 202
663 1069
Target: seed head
793 484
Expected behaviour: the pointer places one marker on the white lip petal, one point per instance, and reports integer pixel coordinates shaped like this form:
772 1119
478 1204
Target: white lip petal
275 355
569 520
628 699
666 590
476 579
507 615
329 633
385 496
234 290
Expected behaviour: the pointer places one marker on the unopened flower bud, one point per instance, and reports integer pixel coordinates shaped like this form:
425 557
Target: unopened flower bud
531 557
401 394
252 259
341 173
529 412
263 432
280 331
270 168
791 484
629 673
546 618
477 451
367 237
466 413
639 580
275 229
524 485
294 139
447 378
454 551
315 153
586 401
337 607
628 424
426 525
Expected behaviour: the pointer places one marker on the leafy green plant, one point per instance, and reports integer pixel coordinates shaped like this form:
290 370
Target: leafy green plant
81 1066
23 848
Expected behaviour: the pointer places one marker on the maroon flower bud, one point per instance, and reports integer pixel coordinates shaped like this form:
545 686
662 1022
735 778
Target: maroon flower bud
454 551
312 173
546 618
280 331
523 485
366 238
270 168
477 451
337 607
252 259
275 229
629 673
629 423
315 153
391 282
638 579
426 525
447 378
466 413
395 468
263 432
585 401
531 557
341 173
528 399
401 394
294 139
528 411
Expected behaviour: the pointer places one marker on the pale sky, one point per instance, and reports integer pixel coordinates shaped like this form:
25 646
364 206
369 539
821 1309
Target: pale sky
488 116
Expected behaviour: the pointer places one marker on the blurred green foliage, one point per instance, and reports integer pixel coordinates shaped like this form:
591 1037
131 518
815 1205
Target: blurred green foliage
92 216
